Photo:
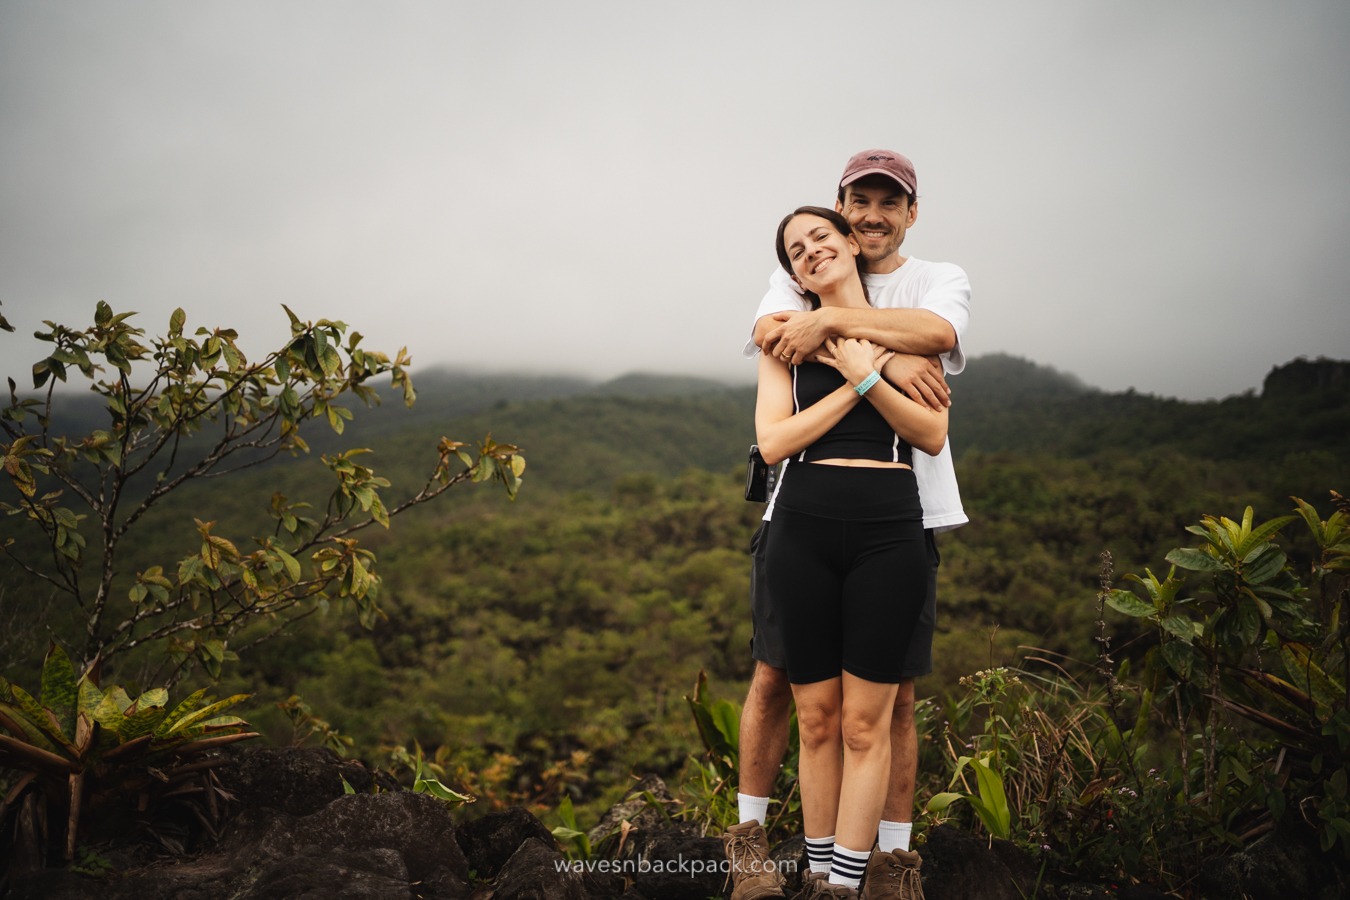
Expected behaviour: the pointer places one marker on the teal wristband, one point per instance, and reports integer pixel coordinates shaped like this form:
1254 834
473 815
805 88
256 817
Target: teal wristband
866 384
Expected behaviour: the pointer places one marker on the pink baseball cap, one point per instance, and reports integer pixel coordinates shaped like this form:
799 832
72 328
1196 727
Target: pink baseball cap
882 162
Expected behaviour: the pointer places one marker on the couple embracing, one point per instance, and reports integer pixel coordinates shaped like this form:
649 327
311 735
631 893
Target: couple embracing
852 397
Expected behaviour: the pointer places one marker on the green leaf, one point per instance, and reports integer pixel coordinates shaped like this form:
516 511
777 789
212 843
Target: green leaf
1180 657
439 791
1247 621
141 719
187 705
177 321
939 802
1194 560
1127 603
1265 530
59 691
118 358
153 697
329 361
291 564
1301 666
993 796
90 696
109 712
37 728
1268 563
1179 627
192 722
296 325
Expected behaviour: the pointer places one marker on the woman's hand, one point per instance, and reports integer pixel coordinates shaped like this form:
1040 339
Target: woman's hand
855 359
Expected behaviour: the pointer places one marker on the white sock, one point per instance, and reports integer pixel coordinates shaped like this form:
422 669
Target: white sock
848 866
893 836
820 853
756 808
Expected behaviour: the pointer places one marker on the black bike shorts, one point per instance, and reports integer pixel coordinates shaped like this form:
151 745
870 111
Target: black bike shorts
847 566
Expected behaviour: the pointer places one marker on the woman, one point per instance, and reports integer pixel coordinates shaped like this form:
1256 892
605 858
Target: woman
845 557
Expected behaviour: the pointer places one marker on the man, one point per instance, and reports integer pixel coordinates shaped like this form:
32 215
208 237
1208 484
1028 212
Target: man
920 311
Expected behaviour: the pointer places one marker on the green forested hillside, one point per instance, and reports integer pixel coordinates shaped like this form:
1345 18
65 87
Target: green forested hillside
549 640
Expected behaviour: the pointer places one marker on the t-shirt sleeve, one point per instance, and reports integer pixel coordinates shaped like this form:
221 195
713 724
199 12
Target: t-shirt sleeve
948 295
783 294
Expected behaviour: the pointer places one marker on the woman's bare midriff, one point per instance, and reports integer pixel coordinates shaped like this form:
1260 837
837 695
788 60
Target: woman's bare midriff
861 463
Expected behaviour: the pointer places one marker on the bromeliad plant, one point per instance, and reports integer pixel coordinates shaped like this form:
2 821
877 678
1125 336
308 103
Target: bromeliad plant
77 746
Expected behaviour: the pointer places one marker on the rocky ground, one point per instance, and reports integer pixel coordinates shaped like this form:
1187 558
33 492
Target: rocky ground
291 831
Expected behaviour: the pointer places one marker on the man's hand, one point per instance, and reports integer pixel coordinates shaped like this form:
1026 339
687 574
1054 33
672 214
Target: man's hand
920 378
797 336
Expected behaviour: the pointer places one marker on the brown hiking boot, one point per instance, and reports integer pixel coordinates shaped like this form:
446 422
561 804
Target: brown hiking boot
821 889
809 880
754 876
893 876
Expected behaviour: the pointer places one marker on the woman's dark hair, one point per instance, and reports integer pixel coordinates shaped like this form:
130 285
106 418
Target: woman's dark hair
840 225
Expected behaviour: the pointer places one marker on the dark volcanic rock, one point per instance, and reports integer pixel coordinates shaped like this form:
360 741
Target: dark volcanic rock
1278 866
296 781
958 864
359 846
492 840
400 835
293 833
636 810
537 871
790 858
1140 892
674 864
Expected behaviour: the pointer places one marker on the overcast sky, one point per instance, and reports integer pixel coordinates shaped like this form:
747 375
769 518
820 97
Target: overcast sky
1149 194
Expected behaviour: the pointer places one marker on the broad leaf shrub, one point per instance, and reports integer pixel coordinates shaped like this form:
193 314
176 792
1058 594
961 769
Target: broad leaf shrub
1227 716
1256 660
182 408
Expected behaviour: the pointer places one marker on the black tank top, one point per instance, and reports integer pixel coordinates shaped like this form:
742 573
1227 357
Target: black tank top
863 433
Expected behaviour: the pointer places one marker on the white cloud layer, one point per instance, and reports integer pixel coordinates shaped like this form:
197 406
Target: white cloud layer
1146 194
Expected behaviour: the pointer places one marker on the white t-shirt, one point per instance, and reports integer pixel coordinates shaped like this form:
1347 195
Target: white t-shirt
942 288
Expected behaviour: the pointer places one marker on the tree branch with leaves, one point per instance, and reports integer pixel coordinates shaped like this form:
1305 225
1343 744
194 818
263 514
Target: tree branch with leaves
189 407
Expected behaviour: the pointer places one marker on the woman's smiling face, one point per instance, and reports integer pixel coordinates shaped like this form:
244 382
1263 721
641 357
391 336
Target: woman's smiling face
820 255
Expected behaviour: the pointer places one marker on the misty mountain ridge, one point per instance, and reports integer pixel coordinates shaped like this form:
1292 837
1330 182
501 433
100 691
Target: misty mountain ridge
1001 403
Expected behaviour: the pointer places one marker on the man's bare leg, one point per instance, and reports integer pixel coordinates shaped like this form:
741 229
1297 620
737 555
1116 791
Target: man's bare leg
764 731
899 808
763 741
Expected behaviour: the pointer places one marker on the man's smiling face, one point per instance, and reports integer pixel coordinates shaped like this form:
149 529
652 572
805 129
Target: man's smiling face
879 211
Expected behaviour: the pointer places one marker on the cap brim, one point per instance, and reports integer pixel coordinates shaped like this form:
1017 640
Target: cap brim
909 188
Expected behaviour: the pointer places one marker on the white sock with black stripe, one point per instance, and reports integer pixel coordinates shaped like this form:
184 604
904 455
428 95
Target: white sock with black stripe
848 866
820 853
